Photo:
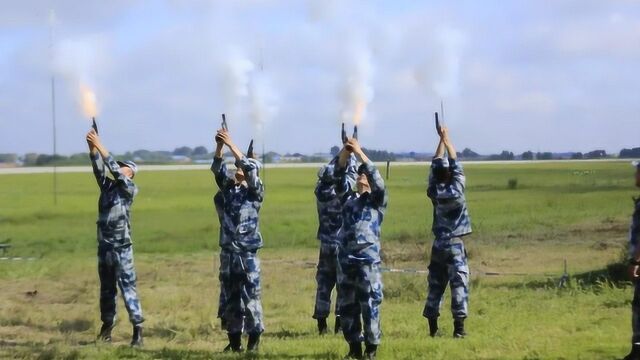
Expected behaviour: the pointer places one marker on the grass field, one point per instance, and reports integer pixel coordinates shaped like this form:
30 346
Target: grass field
578 211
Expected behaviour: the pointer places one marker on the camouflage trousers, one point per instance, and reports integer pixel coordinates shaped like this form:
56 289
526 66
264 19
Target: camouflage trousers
635 315
115 267
448 266
240 292
359 300
326 278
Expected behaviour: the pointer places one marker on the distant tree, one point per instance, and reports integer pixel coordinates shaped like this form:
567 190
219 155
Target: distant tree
379 155
507 155
183 151
199 151
334 150
270 156
470 154
30 159
45 159
312 159
630 153
544 156
595 154
577 156
527 155
504 155
8 158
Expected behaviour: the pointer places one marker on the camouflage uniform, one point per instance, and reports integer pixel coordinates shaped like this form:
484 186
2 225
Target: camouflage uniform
115 250
634 238
240 239
451 222
218 202
329 219
359 278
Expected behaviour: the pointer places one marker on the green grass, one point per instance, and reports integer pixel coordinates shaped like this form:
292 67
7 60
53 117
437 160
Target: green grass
578 211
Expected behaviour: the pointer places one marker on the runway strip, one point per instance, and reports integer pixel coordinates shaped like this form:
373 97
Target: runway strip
381 165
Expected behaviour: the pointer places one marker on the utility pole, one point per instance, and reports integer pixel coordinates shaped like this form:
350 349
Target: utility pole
52 19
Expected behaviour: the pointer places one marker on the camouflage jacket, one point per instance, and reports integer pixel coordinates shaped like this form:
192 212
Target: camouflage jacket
450 214
114 205
634 231
362 215
327 201
238 206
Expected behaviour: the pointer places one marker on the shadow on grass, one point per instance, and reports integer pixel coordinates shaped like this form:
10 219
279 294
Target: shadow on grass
613 275
287 334
165 353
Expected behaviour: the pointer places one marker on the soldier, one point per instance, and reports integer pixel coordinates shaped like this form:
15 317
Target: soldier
634 272
450 223
115 250
240 239
359 277
329 222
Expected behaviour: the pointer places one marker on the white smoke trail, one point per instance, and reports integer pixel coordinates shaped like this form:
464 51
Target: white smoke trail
439 72
78 61
236 72
263 102
358 91
246 85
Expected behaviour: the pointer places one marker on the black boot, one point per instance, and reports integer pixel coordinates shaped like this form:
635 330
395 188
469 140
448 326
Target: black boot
235 343
433 326
355 351
136 339
254 342
337 327
105 332
370 351
458 328
634 354
322 326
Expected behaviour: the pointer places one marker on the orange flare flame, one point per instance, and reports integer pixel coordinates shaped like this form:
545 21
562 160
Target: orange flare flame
88 102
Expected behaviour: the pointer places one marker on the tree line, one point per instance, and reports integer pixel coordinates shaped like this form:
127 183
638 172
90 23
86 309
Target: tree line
201 153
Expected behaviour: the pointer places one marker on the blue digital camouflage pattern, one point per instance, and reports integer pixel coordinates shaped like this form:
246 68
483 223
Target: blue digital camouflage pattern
115 266
634 235
326 278
360 290
448 266
218 202
362 216
635 315
238 206
240 229
114 205
115 251
450 214
359 279
240 282
328 204
329 207
634 230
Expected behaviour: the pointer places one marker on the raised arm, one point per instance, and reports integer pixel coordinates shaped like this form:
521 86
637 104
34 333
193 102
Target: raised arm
218 167
458 181
448 144
250 168
352 171
343 184
124 181
378 190
440 149
97 164
224 136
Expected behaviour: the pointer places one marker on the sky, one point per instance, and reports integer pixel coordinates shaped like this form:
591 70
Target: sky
537 75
